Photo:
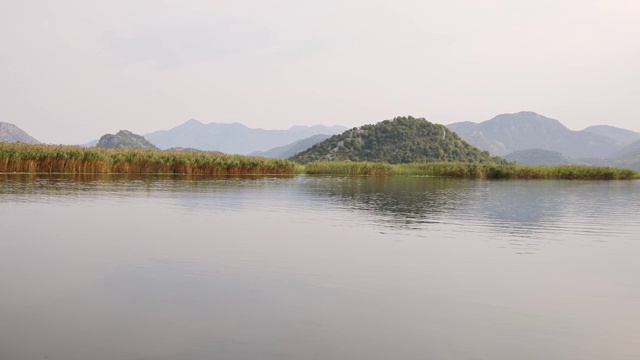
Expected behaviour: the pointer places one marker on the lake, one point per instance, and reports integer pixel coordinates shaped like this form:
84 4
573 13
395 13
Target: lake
169 267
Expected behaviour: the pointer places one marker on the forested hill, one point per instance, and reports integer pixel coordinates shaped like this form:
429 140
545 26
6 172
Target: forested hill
401 140
125 139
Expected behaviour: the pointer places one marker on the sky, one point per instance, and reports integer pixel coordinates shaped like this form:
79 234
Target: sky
73 70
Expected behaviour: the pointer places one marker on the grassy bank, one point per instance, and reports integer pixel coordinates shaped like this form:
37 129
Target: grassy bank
75 159
486 171
473 170
80 160
347 168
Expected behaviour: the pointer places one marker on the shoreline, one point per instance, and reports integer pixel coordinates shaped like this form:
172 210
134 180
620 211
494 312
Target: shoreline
17 158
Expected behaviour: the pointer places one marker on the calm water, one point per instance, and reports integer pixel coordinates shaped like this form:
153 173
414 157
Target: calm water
318 268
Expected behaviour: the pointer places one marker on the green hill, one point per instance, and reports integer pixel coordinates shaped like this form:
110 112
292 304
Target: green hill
125 139
401 140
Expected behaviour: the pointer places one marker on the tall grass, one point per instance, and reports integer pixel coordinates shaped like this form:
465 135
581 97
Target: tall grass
15 157
473 170
347 168
488 171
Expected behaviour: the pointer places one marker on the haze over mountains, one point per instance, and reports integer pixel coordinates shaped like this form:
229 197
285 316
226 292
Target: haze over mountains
11 133
533 139
507 133
287 151
524 137
234 138
624 136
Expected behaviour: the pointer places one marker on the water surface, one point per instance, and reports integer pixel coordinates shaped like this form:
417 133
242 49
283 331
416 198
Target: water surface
152 267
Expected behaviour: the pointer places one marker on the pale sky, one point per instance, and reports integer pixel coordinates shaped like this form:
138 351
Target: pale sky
73 70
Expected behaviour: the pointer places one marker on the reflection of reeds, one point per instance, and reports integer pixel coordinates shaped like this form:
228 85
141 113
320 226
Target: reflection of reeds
75 159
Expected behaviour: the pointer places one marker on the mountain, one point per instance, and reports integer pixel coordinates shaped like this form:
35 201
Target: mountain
12 133
191 150
538 157
233 138
627 149
629 160
91 143
527 130
401 140
125 139
624 136
283 152
463 128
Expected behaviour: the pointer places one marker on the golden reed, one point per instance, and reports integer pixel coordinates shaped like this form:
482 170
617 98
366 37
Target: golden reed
27 158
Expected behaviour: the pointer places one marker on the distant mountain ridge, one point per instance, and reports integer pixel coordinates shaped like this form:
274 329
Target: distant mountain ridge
289 150
629 159
11 133
525 130
532 139
233 138
631 148
538 157
624 136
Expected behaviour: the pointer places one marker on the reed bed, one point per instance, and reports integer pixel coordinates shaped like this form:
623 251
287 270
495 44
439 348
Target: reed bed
473 170
510 171
27 158
17 157
347 168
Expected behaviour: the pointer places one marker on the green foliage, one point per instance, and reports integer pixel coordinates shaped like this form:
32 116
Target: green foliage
125 139
16 157
75 159
347 168
401 140
510 171
472 170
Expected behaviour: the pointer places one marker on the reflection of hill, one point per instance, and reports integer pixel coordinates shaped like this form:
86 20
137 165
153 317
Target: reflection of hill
515 210
405 200
528 213
521 202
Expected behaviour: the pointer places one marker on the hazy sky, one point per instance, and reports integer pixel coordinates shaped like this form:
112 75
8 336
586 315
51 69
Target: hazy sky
73 70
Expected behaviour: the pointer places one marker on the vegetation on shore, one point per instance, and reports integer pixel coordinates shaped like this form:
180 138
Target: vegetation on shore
473 170
27 158
16 157
347 168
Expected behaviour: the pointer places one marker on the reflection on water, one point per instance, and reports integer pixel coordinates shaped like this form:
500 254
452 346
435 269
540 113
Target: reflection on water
408 201
174 267
113 184
513 210
516 208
